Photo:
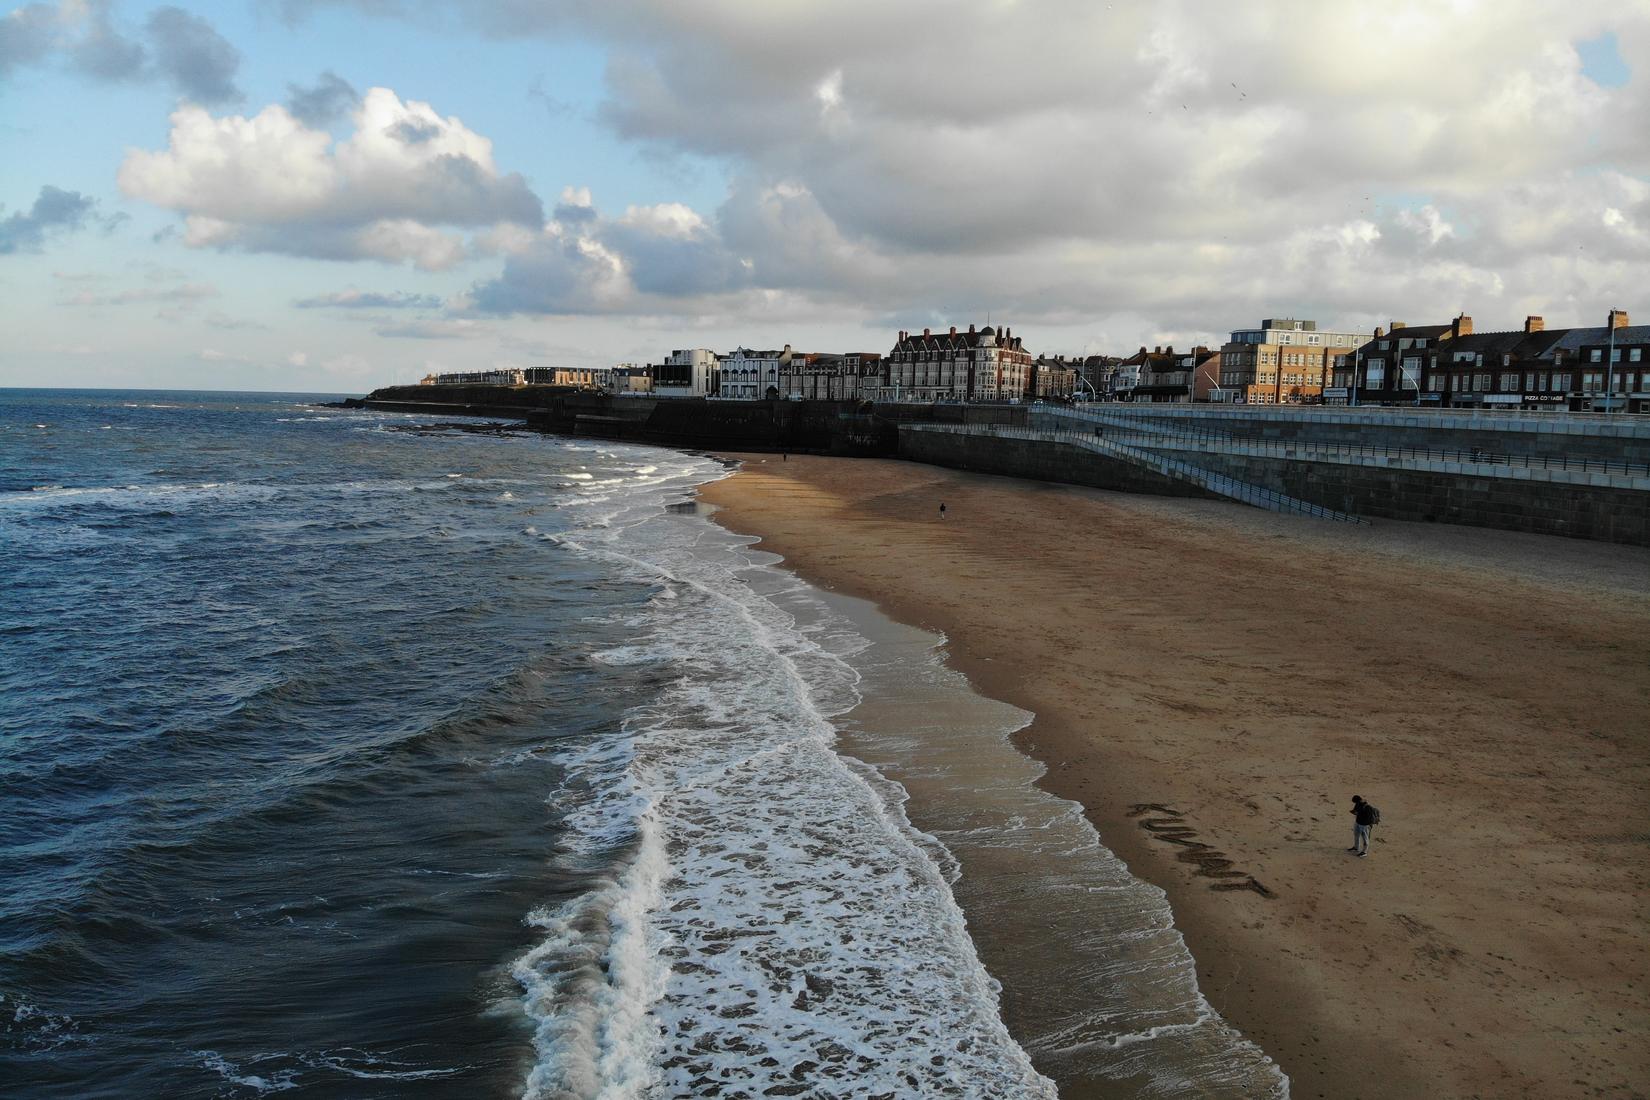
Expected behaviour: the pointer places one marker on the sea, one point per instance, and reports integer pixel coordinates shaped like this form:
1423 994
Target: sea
361 754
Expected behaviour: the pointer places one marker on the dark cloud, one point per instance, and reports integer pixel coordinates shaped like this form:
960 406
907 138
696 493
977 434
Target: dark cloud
573 214
55 211
415 131
102 51
183 49
557 274
317 106
369 299
85 35
27 36
190 53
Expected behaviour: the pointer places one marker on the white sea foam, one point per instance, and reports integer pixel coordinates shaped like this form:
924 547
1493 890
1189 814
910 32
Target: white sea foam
137 496
277 1082
775 923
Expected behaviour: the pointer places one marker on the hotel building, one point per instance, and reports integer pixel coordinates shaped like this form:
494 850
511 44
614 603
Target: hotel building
1283 362
977 365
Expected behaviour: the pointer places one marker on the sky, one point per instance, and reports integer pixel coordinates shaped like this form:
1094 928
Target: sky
333 195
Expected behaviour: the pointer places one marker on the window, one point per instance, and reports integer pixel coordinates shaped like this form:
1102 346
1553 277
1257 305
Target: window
1375 375
1509 382
1561 381
1463 383
1633 356
1481 382
1592 381
1615 355
1595 356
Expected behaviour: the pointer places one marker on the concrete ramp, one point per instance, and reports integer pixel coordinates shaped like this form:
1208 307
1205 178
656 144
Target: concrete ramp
1230 488
1175 469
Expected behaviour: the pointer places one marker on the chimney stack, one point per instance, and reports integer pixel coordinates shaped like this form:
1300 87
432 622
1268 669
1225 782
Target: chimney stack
1379 332
1618 318
1532 323
925 332
953 330
1396 325
1461 326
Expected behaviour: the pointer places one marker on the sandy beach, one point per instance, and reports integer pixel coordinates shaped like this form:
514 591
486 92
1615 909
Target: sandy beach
1214 683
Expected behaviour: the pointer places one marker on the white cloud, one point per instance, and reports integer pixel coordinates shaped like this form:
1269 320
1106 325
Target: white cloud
1139 167
399 189
182 294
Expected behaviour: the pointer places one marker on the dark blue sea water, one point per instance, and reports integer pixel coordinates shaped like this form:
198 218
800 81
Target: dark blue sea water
277 690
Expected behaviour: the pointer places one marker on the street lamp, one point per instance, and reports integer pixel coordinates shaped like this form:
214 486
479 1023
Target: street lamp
1610 366
1403 373
1213 384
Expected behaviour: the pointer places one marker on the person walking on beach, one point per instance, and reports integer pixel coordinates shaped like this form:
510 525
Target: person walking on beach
1364 818
942 509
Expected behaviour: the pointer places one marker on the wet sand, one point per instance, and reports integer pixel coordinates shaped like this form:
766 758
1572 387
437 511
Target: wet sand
1213 683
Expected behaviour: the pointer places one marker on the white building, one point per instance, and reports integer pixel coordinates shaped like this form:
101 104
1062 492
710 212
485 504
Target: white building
749 375
686 372
1125 379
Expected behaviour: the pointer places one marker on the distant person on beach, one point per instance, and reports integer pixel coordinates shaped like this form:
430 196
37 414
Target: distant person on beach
1364 818
942 509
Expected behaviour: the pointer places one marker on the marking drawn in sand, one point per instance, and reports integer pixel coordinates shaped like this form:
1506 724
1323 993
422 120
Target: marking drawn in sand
1171 828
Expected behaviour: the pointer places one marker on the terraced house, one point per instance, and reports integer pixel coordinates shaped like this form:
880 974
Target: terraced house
1581 369
978 365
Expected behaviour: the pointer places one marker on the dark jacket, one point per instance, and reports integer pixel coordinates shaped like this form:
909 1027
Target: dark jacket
1363 813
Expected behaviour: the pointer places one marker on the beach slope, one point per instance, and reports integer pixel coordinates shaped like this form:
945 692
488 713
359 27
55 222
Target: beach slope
1214 683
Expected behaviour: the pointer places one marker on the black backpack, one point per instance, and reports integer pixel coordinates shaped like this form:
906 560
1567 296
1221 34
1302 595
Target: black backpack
1374 814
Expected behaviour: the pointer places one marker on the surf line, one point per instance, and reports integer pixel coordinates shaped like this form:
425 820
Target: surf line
1170 827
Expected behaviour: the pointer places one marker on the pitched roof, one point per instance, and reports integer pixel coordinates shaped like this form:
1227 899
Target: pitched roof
1578 338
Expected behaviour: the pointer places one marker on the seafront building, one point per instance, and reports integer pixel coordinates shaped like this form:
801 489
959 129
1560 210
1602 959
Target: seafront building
686 372
1604 368
1164 376
978 365
1283 362
513 376
1095 375
825 376
749 375
584 378
1054 378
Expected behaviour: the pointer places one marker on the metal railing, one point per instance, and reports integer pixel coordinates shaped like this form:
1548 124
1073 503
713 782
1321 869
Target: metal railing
1322 449
1178 469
